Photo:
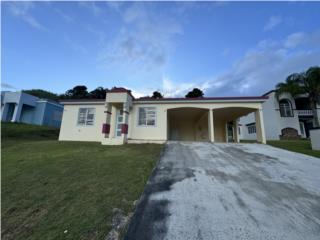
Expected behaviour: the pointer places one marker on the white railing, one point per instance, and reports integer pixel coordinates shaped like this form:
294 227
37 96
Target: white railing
305 112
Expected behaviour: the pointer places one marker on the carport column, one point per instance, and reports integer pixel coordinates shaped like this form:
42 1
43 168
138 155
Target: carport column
261 136
124 127
236 130
211 125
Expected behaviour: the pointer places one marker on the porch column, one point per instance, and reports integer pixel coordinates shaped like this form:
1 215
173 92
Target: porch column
236 130
261 136
211 125
124 128
106 126
16 113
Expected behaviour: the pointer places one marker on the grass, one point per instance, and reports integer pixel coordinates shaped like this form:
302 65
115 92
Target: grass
19 131
300 146
50 186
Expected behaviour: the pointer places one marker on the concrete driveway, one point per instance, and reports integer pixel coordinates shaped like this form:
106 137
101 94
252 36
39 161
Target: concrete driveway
229 191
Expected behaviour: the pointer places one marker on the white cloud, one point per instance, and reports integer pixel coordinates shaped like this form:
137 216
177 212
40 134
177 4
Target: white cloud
22 10
92 6
144 39
295 39
75 46
272 23
65 16
270 62
172 89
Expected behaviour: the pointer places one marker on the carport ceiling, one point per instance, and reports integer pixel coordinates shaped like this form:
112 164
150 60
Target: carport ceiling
229 114
186 113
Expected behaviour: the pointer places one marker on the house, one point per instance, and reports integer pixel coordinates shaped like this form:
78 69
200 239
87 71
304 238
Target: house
25 108
284 117
120 118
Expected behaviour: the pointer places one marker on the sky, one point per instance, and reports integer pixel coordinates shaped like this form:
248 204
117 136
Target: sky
223 48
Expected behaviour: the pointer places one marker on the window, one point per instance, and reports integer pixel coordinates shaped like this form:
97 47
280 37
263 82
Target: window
86 116
252 129
119 123
147 116
285 108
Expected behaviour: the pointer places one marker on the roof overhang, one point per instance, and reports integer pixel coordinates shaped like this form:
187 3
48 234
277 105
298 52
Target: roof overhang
259 99
82 102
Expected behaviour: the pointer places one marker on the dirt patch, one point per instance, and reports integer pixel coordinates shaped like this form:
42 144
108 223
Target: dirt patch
119 222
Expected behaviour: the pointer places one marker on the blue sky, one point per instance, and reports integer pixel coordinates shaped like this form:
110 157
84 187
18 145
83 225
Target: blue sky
224 48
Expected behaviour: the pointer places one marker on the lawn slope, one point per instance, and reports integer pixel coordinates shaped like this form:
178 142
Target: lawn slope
300 146
67 190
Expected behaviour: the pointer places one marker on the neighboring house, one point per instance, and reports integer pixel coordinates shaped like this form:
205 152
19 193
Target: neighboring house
120 118
25 108
284 117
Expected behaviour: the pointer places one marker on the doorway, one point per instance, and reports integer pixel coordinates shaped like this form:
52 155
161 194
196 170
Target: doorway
230 132
119 122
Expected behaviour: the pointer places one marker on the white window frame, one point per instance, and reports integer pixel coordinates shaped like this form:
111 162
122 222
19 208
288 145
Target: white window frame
252 129
86 123
285 108
146 120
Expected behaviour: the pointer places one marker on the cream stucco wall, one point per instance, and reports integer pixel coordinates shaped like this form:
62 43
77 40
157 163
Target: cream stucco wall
159 132
72 132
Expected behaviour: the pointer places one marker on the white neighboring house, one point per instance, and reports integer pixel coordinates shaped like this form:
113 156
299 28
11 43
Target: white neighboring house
284 117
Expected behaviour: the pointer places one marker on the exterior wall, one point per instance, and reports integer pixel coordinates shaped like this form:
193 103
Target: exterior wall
273 121
315 139
71 131
184 131
250 118
219 130
52 114
27 113
39 113
202 131
159 132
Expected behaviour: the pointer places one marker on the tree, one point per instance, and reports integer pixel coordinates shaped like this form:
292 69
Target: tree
195 93
42 94
98 93
304 83
157 95
78 92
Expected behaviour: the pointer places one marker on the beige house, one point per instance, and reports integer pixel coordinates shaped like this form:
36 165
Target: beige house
120 118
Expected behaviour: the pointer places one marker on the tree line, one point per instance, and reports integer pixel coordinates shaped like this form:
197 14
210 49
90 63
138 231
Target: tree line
81 92
307 82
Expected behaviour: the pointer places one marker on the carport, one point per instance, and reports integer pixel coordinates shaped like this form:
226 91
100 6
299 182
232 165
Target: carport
225 122
188 124
215 125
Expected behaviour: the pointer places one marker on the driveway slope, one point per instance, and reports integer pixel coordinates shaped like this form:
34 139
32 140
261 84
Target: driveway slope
229 191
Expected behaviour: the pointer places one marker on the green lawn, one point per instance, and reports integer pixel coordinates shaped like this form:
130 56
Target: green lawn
49 186
300 146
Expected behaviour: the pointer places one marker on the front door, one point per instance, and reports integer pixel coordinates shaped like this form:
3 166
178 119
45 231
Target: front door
230 137
119 122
